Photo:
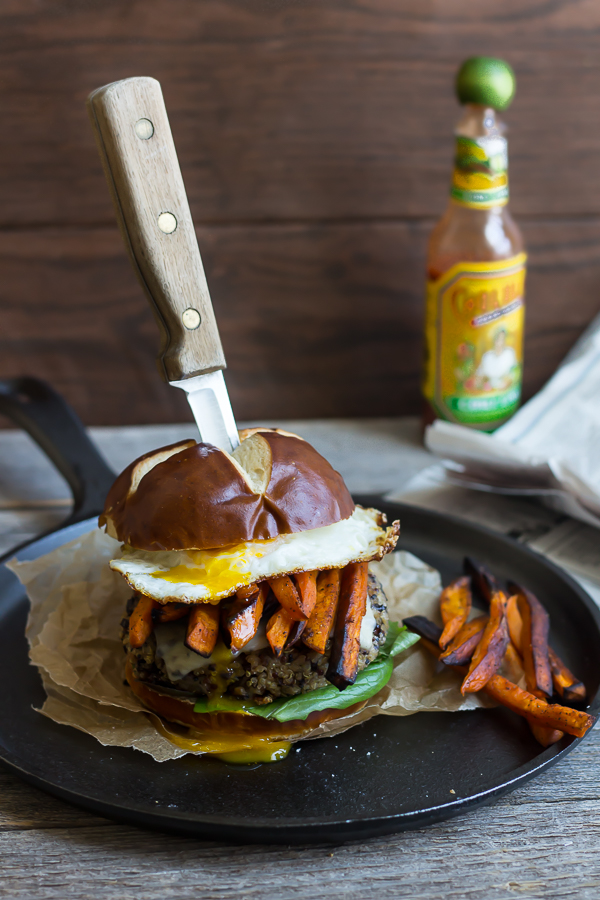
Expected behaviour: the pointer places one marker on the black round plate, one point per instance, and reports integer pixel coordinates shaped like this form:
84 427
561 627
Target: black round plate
386 775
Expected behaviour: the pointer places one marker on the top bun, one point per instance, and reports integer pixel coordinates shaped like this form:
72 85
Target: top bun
190 496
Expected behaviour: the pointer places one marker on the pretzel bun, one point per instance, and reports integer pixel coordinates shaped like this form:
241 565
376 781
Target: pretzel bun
195 496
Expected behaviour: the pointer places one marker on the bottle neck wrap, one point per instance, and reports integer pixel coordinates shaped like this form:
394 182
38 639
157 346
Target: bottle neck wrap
480 179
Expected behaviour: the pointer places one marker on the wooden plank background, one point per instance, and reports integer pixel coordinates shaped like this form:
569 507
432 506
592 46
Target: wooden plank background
315 139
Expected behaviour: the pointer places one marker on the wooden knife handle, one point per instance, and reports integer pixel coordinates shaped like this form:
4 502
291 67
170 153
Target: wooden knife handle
139 158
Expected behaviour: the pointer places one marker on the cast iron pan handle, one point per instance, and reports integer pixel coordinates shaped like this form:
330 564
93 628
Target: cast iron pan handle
34 406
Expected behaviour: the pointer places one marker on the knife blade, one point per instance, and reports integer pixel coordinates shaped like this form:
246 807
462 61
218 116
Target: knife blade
209 402
140 162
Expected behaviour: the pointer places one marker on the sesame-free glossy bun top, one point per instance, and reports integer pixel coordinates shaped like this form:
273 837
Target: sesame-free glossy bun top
196 496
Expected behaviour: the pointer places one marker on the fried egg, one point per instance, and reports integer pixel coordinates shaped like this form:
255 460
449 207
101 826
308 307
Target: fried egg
207 576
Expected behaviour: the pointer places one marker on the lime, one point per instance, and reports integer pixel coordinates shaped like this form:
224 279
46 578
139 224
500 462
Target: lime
486 81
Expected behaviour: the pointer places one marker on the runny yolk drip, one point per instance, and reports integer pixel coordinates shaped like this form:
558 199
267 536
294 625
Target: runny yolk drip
220 657
232 748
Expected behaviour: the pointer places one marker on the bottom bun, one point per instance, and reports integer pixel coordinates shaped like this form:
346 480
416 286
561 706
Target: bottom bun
181 712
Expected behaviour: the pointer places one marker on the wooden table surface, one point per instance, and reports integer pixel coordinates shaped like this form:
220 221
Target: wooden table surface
542 841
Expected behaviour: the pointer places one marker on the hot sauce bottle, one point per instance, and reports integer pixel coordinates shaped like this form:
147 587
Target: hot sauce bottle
476 267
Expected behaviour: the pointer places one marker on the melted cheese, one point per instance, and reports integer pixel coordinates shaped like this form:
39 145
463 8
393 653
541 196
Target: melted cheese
178 659
367 628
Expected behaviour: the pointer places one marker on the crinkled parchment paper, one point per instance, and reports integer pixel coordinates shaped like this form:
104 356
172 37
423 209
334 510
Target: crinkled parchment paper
77 604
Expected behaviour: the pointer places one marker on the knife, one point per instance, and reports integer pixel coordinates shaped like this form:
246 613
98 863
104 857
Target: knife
140 162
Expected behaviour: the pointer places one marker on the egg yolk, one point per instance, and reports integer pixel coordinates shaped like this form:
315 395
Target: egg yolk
216 570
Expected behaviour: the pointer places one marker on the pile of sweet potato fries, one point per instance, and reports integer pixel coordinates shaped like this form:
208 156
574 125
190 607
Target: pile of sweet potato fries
306 606
512 635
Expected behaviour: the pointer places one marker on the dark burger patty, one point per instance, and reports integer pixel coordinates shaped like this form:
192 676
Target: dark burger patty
258 676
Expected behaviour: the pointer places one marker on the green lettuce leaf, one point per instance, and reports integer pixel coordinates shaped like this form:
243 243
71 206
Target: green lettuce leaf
367 684
398 638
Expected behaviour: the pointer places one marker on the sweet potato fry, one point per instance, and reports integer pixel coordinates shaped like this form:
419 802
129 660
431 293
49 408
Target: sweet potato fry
513 663
426 629
242 619
203 628
549 715
483 583
141 622
460 650
545 736
245 593
288 595
320 624
455 606
486 662
296 632
306 582
170 612
534 643
278 629
352 605
489 653
515 622
565 683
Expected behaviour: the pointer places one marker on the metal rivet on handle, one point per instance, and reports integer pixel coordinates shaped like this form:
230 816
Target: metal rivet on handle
167 222
144 129
190 318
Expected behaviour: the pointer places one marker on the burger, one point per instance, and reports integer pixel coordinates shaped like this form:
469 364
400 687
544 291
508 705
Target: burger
253 615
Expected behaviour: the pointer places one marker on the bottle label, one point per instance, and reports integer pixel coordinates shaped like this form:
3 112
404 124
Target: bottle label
474 341
480 178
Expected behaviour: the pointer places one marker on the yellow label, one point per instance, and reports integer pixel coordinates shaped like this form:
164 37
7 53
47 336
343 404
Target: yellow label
474 342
